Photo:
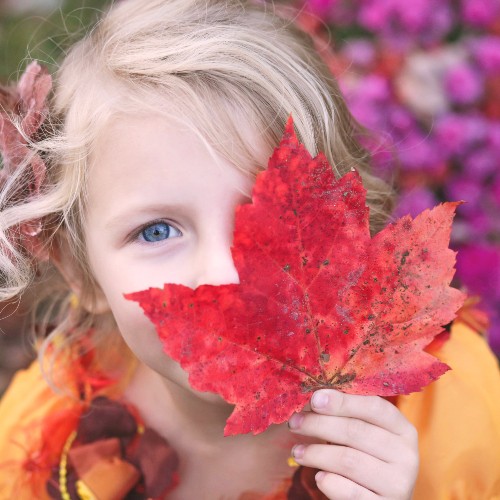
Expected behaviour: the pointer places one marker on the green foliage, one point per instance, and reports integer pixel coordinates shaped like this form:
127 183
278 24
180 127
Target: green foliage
43 37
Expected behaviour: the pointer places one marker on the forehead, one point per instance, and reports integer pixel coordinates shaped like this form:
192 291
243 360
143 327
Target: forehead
137 156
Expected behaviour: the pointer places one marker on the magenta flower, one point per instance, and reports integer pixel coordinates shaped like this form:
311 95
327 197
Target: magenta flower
463 188
480 13
321 8
480 163
486 52
478 267
464 84
360 52
414 201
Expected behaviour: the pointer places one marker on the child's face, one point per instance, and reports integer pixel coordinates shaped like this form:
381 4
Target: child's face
160 210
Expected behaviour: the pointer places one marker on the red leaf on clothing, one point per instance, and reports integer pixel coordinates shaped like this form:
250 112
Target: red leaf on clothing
320 304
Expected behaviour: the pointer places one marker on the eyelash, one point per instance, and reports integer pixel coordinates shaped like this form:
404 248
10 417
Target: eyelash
136 236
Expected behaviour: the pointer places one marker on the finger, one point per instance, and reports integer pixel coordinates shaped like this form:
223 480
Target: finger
372 409
359 467
340 488
351 432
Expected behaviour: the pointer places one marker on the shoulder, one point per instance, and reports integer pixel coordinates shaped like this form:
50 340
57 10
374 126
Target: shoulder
458 420
25 411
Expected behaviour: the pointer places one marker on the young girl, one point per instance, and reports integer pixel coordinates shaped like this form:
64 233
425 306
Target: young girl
160 119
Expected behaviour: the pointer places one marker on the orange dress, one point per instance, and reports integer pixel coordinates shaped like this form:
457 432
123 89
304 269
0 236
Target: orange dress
457 417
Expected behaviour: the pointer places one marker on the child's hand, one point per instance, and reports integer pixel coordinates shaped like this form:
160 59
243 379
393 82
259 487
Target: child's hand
372 451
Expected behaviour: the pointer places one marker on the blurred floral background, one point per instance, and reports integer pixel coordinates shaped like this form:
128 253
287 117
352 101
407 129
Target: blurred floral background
424 75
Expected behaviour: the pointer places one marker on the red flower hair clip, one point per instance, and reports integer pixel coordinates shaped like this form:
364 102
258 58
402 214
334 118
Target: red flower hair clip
23 109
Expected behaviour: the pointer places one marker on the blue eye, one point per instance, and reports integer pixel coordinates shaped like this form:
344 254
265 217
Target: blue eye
159 231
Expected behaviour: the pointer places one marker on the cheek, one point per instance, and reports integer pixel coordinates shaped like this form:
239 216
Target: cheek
141 337
138 332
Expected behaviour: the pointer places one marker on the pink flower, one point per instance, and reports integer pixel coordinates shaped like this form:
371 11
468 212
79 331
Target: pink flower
414 201
450 133
425 21
480 163
321 8
464 84
480 13
486 52
360 52
478 267
464 188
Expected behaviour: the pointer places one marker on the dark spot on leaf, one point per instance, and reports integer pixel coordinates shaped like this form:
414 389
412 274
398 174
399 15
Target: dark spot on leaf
286 268
164 304
295 212
191 305
308 330
325 357
304 261
371 316
366 342
344 379
403 258
326 262
345 332
407 225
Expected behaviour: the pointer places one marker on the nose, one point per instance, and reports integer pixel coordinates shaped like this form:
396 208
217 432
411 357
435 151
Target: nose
214 264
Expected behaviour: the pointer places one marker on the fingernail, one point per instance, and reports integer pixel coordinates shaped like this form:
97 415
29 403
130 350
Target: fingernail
319 400
298 451
295 421
319 475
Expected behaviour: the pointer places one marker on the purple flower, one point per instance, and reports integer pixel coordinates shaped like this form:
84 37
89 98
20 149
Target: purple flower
417 151
401 120
464 84
479 222
321 7
374 15
360 52
415 201
463 188
480 13
478 267
493 138
450 134
367 99
480 163
425 21
495 192
457 134
486 52
339 12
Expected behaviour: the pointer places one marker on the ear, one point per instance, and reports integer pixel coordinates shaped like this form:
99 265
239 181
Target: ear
93 301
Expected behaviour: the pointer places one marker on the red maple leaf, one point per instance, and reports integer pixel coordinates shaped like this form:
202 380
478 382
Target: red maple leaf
320 304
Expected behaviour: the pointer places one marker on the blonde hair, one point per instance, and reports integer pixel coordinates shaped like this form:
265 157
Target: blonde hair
220 64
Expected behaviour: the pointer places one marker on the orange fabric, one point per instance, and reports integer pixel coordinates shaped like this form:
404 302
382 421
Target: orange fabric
458 419
27 402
